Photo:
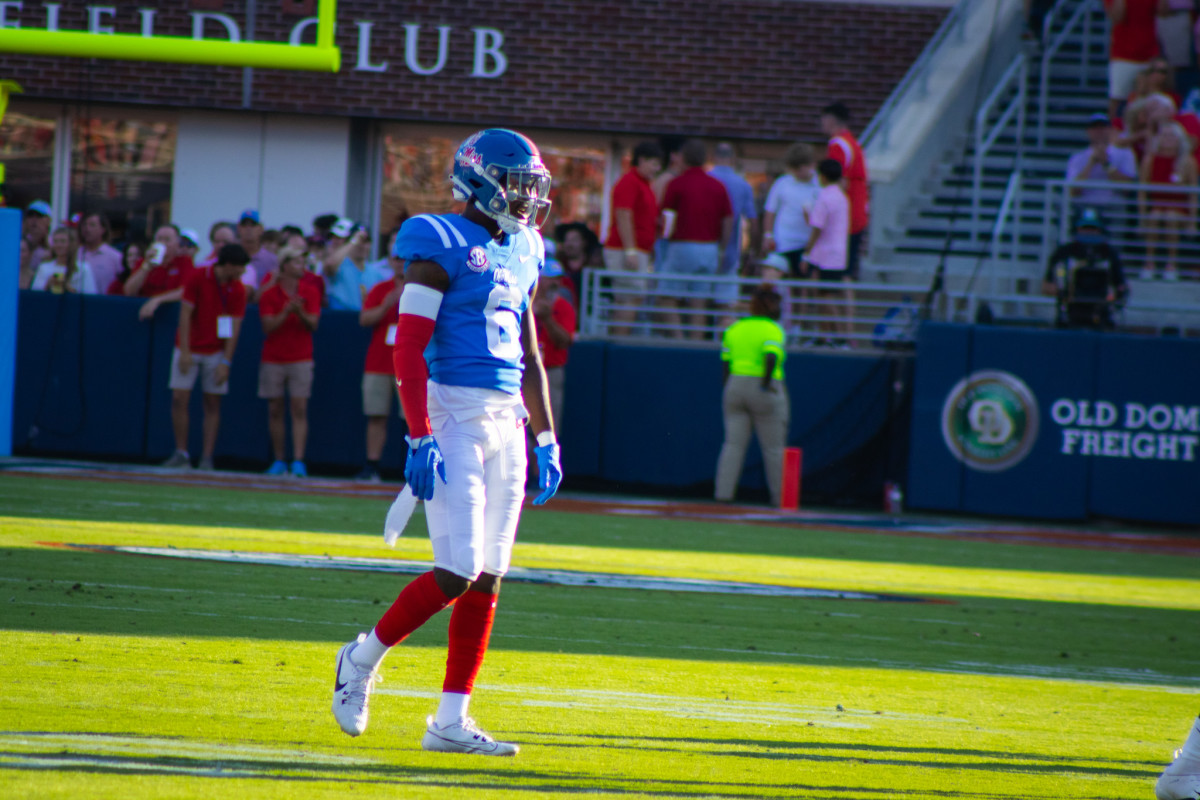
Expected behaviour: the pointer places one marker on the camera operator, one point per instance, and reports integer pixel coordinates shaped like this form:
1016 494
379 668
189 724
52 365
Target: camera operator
1085 276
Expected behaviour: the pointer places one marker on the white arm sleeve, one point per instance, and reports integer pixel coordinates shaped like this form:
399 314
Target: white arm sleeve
421 300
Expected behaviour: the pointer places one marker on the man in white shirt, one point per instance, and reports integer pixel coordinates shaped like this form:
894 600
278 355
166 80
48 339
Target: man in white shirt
785 227
1101 161
103 259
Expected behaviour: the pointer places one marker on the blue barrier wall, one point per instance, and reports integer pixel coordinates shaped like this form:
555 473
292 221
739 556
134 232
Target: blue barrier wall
92 381
1055 424
10 267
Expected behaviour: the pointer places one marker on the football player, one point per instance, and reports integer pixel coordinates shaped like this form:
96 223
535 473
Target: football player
1181 779
470 379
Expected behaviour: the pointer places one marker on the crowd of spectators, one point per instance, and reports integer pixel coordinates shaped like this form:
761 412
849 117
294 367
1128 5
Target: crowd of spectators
671 216
1150 136
291 276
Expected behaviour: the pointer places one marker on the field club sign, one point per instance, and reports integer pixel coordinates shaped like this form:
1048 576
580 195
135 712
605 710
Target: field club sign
488 61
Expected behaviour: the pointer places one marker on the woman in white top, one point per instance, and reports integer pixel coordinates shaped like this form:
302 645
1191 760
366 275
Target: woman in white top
65 273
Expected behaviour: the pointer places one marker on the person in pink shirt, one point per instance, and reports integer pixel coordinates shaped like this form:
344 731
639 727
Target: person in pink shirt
829 223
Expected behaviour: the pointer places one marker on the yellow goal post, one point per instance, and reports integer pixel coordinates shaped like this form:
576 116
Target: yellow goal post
324 56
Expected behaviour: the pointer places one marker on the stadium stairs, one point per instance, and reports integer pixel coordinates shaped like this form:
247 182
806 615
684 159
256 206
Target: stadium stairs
935 222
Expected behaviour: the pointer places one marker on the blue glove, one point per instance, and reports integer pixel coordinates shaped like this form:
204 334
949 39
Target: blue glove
549 472
424 459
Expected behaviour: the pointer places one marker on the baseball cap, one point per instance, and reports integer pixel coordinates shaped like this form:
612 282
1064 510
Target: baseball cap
191 235
552 269
249 214
776 261
343 228
39 207
1098 119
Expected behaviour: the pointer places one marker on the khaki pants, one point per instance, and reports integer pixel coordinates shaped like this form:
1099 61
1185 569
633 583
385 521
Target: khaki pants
747 407
556 378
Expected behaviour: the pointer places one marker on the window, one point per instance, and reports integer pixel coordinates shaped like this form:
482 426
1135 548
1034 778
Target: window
417 162
27 152
578 188
121 166
415 170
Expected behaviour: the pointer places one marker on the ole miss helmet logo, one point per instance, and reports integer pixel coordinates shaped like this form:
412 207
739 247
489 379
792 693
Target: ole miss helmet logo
477 259
468 156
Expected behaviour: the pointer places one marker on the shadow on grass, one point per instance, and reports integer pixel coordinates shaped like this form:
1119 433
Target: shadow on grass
77 758
86 592
859 753
45 497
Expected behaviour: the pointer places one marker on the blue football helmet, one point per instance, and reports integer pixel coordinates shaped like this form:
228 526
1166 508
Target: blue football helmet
501 171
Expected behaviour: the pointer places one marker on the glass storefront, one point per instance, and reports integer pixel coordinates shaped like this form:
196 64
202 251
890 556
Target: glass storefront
414 177
416 165
578 188
27 152
122 165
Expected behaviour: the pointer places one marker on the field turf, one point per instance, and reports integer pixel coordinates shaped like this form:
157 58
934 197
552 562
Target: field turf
1025 671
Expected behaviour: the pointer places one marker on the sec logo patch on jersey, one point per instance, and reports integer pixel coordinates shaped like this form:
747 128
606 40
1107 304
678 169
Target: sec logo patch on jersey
477 259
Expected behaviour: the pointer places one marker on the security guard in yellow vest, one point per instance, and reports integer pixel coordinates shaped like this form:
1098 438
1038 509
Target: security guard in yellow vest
755 395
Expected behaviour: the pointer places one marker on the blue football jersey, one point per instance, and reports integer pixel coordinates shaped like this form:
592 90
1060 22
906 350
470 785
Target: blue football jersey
477 335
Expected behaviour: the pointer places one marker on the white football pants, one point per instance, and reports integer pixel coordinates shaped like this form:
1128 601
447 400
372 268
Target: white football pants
473 517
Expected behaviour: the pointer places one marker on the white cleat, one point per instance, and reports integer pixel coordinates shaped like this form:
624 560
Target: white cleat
463 737
352 690
1175 784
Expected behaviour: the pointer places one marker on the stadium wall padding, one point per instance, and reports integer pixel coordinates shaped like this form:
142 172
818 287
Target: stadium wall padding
92 382
1118 431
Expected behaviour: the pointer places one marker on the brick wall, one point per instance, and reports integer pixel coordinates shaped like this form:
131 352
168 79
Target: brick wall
757 69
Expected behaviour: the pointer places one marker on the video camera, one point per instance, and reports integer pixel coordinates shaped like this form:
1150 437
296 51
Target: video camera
1087 291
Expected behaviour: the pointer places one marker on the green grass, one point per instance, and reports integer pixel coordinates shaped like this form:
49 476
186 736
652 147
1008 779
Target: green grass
1040 673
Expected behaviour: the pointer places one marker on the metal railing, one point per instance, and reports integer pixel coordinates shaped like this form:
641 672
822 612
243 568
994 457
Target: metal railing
986 137
1008 217
1153 226
917 76
1151 318
1080 17
640 308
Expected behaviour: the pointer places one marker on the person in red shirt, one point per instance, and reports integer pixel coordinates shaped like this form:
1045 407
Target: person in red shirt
210 319
381 312
161 273
555 332
290 310
129 261
844 149
697 222
631 233
1165 214
1133 42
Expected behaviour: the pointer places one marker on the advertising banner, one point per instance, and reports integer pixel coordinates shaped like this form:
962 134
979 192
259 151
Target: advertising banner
1055 424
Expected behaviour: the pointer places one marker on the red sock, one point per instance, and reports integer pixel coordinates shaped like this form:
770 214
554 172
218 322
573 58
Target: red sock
470 629
419 601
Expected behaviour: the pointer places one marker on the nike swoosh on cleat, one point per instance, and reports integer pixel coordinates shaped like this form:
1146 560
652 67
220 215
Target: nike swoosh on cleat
337 687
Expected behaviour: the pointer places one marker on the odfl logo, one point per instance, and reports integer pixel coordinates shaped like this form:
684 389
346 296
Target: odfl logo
990 420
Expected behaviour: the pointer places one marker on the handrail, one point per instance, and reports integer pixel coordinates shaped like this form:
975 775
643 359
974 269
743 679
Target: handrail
630 306
1017 71
920 69
1081 13
1132 228
1011 202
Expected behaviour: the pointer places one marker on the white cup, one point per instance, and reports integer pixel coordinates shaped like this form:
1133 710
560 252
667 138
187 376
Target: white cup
668 217
154 255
